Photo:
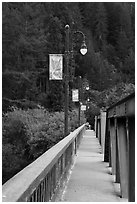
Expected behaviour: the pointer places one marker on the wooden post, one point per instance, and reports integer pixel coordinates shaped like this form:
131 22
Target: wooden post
113 145
117 155
103 128
107 140
66 81
131 159
122 148
95 124
97 127
99 130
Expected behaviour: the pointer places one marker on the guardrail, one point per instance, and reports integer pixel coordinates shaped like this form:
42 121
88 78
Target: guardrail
41 180
119 146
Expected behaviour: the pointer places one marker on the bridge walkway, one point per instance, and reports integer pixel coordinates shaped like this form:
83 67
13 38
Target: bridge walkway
90 179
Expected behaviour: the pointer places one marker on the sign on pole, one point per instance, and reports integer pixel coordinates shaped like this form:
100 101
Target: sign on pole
75 96
83 107
55 66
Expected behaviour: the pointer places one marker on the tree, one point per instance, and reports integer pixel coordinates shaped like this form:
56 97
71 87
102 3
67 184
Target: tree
122 45
100 25
129 68
33 30
23 33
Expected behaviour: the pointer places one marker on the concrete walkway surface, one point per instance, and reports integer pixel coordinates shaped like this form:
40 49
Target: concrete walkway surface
90 179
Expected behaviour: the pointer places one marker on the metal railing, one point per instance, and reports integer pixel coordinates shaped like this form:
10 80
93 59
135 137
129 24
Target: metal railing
41 180
119 145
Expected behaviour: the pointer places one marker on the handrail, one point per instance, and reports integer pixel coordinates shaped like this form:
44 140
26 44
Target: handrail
119 145
122 100
123 108
39 180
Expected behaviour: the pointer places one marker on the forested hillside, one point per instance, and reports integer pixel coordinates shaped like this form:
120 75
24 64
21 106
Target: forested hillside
32 31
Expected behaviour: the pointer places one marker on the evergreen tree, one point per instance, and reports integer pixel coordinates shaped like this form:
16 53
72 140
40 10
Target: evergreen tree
122 45
100 25
31 31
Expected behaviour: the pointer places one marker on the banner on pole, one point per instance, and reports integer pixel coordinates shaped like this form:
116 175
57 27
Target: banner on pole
55 66
83 108
75 96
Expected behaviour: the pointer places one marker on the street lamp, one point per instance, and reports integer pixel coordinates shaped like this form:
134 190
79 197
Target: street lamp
83 51
87 88
83 48
88 100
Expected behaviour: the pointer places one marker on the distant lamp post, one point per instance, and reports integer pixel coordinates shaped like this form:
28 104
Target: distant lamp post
80 98
83 51
88 103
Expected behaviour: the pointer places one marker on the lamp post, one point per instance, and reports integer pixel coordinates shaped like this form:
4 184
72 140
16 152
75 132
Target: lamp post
66 79
79 108
83 51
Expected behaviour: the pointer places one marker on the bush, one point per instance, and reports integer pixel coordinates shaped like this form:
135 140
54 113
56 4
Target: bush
8 104
12 161
29 133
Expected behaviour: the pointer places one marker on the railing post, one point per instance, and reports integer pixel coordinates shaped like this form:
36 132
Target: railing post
99 130
113 145
103 128
107 140
122 148
131 159
95 124
110 162
117 155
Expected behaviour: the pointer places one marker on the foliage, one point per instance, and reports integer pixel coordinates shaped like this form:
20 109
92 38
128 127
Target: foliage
24 104
12 161
108 97
55 96
15 85
116 94
31 31
29 133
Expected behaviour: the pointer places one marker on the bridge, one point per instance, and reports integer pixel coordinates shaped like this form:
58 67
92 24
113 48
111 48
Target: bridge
88 165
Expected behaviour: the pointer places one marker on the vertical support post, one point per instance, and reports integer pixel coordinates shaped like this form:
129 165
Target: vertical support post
117 155
79 88
103 127
66 80
99 129
113 145
95 124
131 159
107 140
122 149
